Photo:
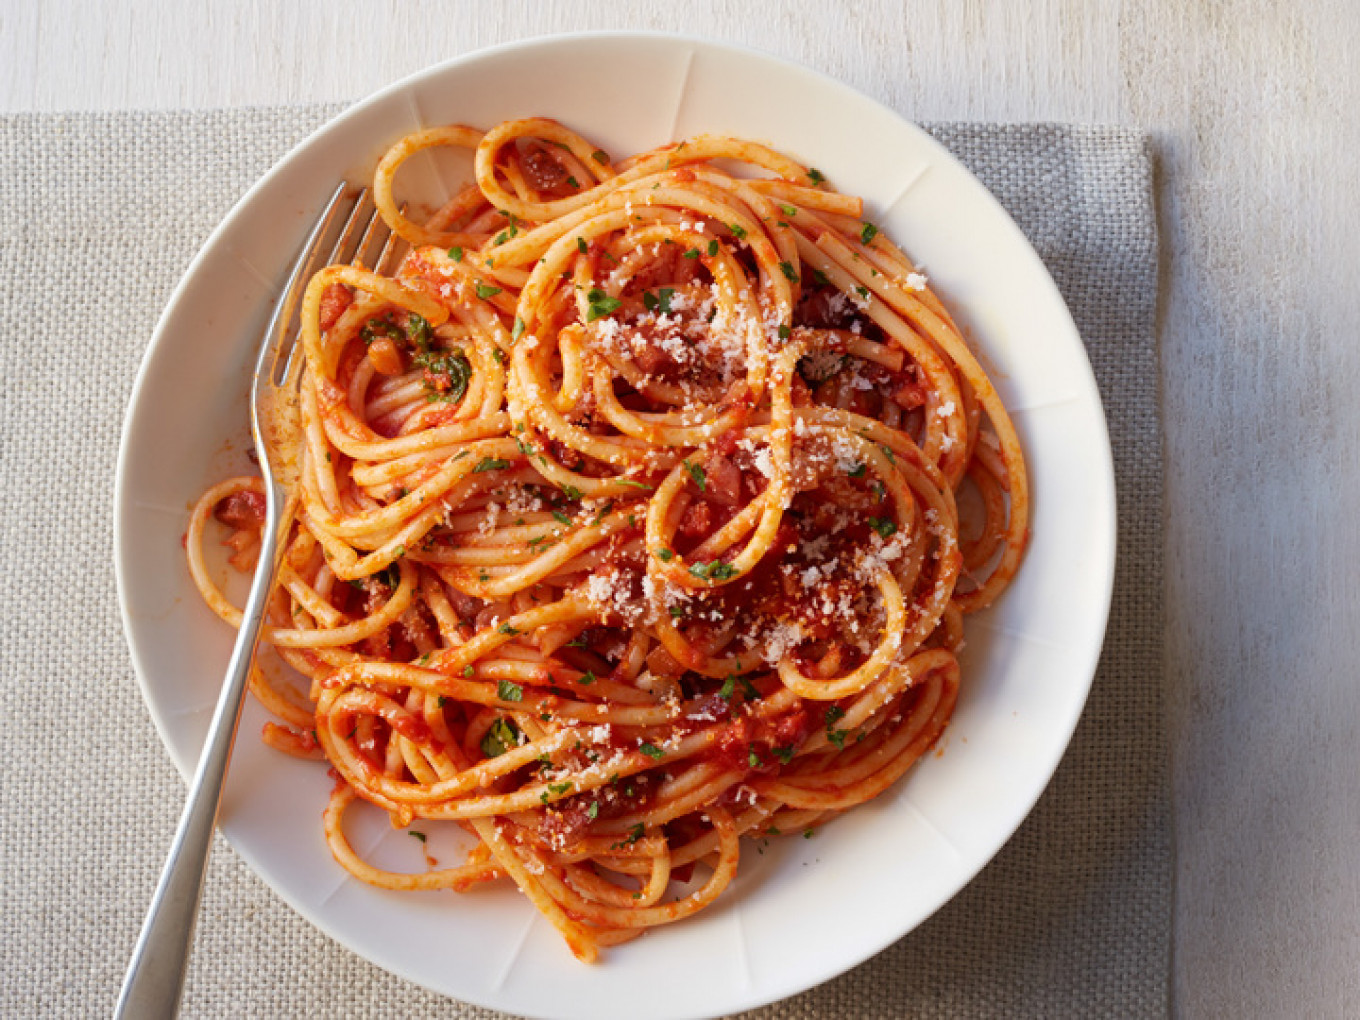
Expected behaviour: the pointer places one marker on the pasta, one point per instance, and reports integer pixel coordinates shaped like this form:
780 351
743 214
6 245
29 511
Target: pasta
640 510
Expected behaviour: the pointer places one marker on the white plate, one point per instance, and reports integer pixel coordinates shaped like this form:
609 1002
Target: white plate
801 911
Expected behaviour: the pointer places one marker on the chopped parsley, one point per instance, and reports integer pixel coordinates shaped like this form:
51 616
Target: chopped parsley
665 555
490 464
660 301
815 175
833 715
693 253
652 751
417 834
715 571
868 233
518 330
859 470
600 304
418 331
447 374
738 231
505 628
374 328
697 474
456 254
560 517
787 269
728 688
581 245
587 678
885 526
507 691
785 332
712 248
605 511
600 156
485 290
502 736
788 210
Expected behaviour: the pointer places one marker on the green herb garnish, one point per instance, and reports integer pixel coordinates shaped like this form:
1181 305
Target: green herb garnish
660 301
715 571
599 304
697 474
885 526
502 736
447 374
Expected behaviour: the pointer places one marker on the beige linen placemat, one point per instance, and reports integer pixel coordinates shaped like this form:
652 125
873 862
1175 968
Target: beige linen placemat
99 216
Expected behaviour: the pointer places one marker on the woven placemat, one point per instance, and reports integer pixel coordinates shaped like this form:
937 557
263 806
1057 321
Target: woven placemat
99 216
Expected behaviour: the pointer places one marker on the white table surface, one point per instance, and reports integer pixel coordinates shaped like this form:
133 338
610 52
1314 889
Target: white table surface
1254 108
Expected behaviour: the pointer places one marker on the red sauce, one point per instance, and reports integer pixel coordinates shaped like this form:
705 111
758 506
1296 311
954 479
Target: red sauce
697 519
747 736
724 479
543 172
244 509
334 300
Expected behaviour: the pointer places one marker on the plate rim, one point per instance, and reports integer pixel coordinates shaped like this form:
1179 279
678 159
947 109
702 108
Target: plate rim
122 517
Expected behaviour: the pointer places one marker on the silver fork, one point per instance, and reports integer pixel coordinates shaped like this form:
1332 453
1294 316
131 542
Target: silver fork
155 976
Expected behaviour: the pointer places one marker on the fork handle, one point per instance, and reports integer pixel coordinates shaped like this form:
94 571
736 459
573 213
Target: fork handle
155 977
